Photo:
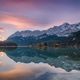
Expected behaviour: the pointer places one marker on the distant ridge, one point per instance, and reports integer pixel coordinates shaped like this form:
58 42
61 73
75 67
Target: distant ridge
66 34
63 30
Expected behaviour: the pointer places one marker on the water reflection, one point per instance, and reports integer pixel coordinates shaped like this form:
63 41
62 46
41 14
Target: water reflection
66 58
6 63
70 53
11 70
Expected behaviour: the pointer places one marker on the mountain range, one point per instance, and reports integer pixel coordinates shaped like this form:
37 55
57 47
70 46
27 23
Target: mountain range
56 33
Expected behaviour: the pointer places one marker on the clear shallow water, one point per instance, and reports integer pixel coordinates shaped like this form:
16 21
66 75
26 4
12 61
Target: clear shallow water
66 58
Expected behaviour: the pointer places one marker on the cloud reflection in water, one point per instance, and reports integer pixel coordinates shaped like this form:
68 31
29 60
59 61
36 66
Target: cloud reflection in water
10 70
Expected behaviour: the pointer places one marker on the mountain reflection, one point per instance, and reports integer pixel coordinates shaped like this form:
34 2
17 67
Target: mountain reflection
10 70
66 58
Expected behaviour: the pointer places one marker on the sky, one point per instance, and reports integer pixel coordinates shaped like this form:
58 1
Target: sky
18 15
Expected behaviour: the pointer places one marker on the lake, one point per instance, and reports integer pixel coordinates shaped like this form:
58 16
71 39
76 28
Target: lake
66 58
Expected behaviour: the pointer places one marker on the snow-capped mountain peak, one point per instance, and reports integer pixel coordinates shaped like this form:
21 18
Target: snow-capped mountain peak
62 30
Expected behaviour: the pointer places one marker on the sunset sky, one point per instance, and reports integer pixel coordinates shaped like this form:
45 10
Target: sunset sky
17 15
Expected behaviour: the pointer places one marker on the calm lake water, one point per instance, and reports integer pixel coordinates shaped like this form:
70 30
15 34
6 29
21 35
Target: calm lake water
66 58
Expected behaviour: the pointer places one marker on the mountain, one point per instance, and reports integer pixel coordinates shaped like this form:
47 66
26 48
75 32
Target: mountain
57 33
62 30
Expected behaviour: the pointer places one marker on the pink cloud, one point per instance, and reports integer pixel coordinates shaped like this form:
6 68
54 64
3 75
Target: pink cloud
17 22
1 30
